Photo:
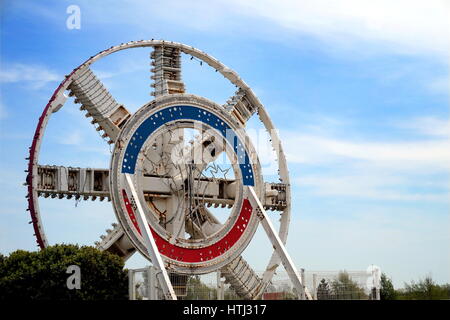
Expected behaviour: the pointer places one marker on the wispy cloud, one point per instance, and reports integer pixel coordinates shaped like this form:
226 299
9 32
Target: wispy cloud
304 148
74 138
402 26
405 26
35 76
429 126
376 185
410 170
122 66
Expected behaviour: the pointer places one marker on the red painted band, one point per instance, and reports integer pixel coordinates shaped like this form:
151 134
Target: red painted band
37 135
130 211
196 255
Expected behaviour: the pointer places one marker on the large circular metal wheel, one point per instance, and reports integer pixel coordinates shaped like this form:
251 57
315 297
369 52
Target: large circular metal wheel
172 178
171 148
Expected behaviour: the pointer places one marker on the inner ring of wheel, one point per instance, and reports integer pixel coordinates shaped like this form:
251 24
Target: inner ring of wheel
195 257
150 211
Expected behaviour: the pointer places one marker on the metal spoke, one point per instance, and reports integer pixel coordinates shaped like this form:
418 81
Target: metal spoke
71 182
90 183
242 106
116 241
94 98
166 62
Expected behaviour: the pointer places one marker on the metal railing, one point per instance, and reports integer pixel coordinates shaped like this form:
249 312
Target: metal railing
323 285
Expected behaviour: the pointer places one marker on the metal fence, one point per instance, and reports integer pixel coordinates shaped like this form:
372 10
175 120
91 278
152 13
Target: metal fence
323 285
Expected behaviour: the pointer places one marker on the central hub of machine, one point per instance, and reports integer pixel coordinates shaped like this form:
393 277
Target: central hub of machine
191 164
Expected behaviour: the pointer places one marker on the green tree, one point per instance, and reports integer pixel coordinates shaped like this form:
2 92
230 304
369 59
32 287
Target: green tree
42 275
323 290
230 294
387 291
345 288
425 289
197 290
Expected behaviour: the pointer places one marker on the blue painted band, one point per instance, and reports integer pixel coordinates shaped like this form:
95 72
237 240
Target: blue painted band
156 120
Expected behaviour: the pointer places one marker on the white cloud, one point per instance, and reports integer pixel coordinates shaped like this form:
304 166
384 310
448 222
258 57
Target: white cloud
413 169
372 184
35 76
430 126
401 26
74 138
304 148
119 67
410 170
405 26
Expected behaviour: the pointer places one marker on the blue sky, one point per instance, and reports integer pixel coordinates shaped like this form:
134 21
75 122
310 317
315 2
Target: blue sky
359 91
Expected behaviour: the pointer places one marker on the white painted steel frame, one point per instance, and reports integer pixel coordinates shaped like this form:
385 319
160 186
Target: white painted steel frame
58 98
152 249
288 264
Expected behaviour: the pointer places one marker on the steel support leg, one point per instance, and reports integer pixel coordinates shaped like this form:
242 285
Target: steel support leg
278 245
152 249
131 285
